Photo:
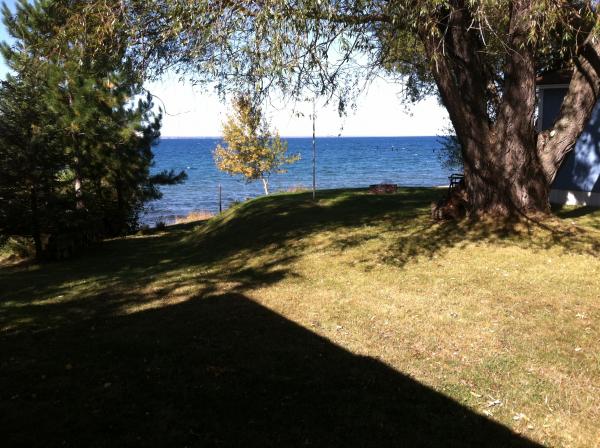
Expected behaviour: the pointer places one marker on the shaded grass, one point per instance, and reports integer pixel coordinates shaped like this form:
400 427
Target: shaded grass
354 320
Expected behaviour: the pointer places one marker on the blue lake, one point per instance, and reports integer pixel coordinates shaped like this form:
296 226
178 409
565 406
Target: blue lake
341 162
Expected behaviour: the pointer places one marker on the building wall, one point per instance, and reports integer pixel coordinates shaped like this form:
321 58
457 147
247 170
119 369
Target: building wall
578 179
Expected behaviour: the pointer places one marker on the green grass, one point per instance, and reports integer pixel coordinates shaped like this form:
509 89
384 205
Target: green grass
355 320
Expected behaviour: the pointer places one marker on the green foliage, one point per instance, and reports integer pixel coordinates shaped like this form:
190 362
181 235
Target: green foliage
251 150
325 47
76 133
449 152
31 193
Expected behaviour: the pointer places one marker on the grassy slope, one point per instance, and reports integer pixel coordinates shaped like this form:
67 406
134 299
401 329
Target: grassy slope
355 320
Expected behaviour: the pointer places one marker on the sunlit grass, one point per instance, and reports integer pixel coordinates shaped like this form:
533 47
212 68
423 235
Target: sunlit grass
193 216
503 318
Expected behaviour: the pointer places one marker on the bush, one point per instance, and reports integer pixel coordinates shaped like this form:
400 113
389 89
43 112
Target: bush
16 247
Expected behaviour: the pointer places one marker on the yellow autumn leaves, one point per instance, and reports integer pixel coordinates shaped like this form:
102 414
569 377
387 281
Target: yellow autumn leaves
250 148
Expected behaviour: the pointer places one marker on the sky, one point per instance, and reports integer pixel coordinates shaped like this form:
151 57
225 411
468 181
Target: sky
195 112
191 111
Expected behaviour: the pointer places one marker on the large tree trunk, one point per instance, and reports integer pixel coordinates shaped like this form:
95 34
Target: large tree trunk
505 180
505 177
508 169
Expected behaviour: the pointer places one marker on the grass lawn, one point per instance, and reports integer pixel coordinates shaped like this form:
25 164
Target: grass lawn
353 321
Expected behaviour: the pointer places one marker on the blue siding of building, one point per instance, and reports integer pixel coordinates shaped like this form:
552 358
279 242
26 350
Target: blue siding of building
581 169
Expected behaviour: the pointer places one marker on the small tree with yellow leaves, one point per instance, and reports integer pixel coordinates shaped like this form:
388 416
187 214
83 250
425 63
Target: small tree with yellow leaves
251 149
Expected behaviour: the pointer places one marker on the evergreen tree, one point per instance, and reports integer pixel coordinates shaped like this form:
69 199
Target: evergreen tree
30 161
127 182
30 158
77 132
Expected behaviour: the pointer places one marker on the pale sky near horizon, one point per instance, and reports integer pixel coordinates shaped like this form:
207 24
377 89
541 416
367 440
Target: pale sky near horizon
194 112
191 111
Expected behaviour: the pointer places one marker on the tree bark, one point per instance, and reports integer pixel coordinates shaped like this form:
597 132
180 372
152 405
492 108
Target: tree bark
505 181
35 224
582 95
508 169
507 178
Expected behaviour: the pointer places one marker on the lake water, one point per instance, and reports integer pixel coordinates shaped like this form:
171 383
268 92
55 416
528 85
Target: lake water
341 162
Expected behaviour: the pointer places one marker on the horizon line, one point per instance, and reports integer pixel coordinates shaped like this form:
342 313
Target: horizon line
302 136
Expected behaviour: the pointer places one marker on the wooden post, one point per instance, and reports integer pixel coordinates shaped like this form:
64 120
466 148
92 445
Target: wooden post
220 200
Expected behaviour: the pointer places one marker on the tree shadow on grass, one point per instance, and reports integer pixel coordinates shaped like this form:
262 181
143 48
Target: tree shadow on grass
207 254
276 229
121 275
217 370
284 220
431 239
116 364
283 223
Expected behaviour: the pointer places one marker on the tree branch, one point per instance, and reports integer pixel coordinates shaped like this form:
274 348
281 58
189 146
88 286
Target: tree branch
582 95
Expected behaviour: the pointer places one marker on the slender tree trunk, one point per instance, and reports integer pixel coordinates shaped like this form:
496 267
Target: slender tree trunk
265 183
79 204
35 224
120 226
78 193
